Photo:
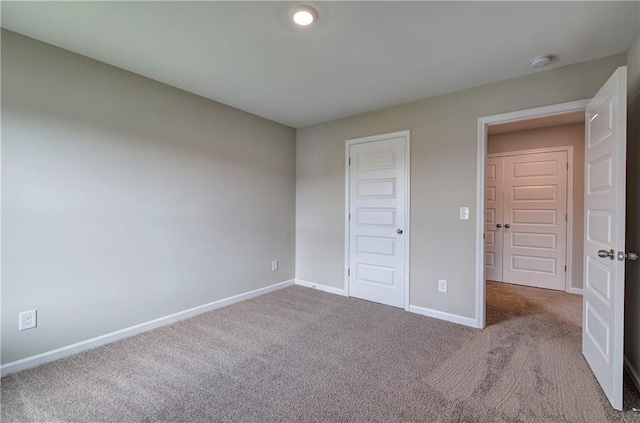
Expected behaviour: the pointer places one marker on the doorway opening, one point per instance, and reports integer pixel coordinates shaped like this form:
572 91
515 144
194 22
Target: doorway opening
534 215
514 139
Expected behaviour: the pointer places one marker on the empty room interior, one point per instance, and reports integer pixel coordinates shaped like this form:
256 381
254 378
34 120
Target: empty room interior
321 211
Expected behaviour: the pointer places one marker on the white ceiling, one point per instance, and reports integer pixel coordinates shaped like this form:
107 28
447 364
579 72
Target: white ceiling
360 56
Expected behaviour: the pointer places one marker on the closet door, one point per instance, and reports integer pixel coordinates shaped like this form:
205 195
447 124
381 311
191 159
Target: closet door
535 226
494 222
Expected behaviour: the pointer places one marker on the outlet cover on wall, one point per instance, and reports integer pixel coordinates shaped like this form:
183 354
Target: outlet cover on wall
274 265
442 285
28 320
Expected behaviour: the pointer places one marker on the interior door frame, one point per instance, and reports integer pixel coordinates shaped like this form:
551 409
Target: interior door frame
568 276
483 124
407 227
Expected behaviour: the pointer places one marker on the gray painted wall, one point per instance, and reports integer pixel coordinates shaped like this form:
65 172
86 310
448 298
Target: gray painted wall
632 291
556 136
443 178
125 200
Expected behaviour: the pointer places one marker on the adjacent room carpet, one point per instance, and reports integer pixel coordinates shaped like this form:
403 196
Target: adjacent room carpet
300 355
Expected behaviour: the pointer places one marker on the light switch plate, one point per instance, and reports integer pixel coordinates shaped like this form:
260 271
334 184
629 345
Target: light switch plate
464 213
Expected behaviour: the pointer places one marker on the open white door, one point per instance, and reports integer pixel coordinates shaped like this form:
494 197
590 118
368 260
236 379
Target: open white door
604 242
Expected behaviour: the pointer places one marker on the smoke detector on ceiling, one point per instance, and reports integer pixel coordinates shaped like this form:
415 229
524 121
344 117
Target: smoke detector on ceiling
540 61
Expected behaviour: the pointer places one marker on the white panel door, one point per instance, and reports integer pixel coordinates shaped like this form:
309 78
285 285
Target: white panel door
535 225
604 203
493 227
377 205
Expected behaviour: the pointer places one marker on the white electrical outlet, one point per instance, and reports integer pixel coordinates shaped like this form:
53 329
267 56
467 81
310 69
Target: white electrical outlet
442 285
464 213
274 265
28 320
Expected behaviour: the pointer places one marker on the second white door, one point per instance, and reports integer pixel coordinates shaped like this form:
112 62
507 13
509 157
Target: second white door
495 209
378 193
531 202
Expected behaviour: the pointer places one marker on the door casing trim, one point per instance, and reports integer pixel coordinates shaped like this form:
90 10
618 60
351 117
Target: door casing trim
483 124
407 229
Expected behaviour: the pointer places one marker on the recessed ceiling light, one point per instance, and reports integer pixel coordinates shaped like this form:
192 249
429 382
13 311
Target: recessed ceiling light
303 15
540 61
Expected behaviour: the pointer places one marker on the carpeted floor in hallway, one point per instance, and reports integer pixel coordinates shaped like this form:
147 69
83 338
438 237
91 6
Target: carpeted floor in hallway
300 355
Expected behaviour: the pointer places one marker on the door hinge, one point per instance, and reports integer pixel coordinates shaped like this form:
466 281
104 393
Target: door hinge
349 216
567 165
349 161
349 272
565 267
566 217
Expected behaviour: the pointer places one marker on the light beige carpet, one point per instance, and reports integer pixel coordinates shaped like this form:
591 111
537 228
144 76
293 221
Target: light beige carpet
300 355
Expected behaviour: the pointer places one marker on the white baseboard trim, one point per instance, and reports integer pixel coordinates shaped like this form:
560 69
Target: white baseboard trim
577 291
319 287
449 317
36 360
635 376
